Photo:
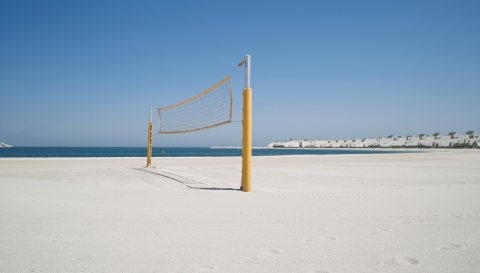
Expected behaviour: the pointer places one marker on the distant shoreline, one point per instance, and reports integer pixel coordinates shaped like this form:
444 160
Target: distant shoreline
79 152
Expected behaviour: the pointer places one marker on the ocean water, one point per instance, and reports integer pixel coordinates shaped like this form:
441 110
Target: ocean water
170 152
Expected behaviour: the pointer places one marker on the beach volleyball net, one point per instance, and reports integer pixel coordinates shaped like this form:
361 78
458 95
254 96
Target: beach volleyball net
208 109
212 108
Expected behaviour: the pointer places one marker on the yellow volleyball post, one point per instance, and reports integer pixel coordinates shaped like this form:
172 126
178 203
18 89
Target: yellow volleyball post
149 143
247 129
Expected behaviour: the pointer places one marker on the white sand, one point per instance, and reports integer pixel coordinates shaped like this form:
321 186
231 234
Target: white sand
350 213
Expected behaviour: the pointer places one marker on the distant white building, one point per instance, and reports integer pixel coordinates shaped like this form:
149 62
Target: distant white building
436 140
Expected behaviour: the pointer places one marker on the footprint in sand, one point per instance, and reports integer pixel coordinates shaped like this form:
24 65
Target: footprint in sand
273 252
379 231
196 269
326 239
265 254
397 260
451 247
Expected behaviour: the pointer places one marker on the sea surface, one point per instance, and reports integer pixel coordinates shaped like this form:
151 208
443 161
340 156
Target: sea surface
170 152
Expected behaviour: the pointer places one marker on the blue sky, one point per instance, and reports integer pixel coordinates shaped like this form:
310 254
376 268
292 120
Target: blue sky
83 73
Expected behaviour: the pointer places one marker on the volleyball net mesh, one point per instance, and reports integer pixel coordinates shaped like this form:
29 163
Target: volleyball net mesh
208 109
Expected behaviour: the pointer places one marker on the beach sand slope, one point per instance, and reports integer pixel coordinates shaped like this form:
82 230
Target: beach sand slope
412 212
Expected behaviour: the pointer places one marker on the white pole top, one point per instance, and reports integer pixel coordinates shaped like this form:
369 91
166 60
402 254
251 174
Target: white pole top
248 64
150 114
247 61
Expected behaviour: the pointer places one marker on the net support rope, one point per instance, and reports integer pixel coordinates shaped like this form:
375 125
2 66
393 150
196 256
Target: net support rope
208 109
